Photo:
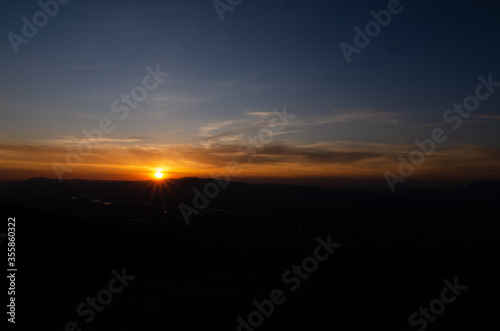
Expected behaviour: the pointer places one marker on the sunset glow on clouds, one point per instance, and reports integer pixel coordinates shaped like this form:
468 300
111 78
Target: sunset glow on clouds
288 156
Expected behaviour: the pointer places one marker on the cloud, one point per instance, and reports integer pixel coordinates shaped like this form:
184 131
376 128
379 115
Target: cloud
73 140
235 127
259 118
344 115
207 131
288 152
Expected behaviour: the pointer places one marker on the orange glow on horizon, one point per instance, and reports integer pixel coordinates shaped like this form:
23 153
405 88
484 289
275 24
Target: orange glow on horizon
19 162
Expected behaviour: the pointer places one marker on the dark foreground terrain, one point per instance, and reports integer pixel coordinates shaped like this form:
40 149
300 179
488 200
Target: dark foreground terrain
396 251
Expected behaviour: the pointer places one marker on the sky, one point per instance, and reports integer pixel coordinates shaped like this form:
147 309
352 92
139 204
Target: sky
222 82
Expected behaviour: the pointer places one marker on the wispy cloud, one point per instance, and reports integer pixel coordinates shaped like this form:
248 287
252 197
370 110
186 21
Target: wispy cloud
345 115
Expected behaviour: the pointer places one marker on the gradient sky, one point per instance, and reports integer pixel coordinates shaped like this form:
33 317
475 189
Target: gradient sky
226 77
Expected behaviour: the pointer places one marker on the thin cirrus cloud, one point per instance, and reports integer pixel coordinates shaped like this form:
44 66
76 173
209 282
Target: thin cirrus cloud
259 118
345 115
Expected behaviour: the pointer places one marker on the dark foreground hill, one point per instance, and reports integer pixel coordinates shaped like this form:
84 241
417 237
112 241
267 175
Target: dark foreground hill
395 252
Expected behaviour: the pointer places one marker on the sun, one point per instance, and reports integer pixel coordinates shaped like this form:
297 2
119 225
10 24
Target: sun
158 174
